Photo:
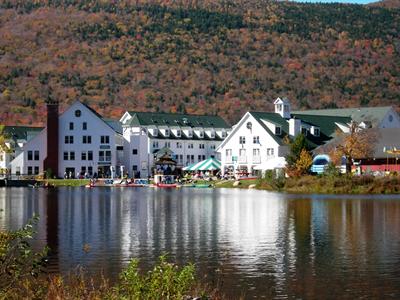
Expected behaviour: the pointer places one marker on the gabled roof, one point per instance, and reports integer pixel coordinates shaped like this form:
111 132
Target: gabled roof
183 136
21 132
273 118
113 124
170 119
372 114
326 124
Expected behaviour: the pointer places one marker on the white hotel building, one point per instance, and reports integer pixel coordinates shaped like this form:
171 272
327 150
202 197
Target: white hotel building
187 138
79 141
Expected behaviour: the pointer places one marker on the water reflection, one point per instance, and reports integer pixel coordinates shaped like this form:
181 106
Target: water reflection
256 244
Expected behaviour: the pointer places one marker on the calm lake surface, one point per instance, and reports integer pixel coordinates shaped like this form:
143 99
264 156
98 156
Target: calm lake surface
254 244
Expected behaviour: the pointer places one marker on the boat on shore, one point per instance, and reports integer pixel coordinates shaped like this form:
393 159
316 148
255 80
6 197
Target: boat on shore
139 182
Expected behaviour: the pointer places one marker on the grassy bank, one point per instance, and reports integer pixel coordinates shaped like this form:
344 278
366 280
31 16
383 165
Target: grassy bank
65 182
308 184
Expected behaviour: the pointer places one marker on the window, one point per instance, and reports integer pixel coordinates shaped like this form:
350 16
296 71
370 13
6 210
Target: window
178 145
72 155
134 152
192 158
242 152
30 155
105 139
90 155
212 134
108 155
101 156
190 133
178 133
134 168
65 155
166 132
29 170
270 151
84 126
201 146
256 152
86 139
36 155
167 144
187 159
277 130
242 140
83 169
212 147
1 157
256 139
316 131
83 155
249 125
90 170
223 134
71 126
201 134
190 146
36 170
390 118
69 139
304 131
155 144
228 152
78 113
198 157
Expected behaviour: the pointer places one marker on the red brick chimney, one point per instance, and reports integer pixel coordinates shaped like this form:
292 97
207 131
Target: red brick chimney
51 161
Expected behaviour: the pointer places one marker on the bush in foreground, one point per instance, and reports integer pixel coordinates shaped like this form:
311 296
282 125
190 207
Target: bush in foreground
21 277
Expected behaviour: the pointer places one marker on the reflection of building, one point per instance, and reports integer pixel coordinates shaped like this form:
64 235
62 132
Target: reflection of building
261 136
76 142
187 138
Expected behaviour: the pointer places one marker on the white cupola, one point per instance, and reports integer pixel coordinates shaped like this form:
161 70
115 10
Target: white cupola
282 107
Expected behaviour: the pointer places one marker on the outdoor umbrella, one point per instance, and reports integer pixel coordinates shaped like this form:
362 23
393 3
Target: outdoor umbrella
209 164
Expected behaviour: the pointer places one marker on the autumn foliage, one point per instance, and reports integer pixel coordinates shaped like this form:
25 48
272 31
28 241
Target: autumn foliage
214 57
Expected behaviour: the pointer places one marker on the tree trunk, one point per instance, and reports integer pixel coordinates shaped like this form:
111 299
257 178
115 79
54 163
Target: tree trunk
349 163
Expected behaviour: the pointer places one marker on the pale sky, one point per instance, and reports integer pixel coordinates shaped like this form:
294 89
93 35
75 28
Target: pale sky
338 1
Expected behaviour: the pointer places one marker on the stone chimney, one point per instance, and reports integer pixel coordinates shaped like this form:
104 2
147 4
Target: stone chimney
294 127
51 161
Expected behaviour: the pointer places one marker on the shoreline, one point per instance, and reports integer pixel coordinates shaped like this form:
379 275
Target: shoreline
307 184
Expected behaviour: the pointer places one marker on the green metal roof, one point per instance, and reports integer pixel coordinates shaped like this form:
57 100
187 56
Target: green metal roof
170 119
21 132
373 114
326 124
273 118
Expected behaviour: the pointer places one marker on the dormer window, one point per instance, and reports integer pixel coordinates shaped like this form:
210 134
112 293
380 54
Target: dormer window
155 131
190 133
201 134
166 132
212 134
278 130
223 134
304 131
316 131
178 133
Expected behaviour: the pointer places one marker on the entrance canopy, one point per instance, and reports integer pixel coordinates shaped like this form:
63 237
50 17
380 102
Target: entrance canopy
205 165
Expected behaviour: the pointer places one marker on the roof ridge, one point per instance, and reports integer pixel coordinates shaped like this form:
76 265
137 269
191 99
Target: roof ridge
166 113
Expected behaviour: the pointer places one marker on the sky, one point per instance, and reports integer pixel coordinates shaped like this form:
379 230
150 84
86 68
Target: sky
339 1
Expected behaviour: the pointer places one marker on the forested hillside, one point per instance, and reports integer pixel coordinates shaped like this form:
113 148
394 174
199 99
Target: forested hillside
214 57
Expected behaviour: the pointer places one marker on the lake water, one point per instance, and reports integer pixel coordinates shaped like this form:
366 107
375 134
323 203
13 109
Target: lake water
253 244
